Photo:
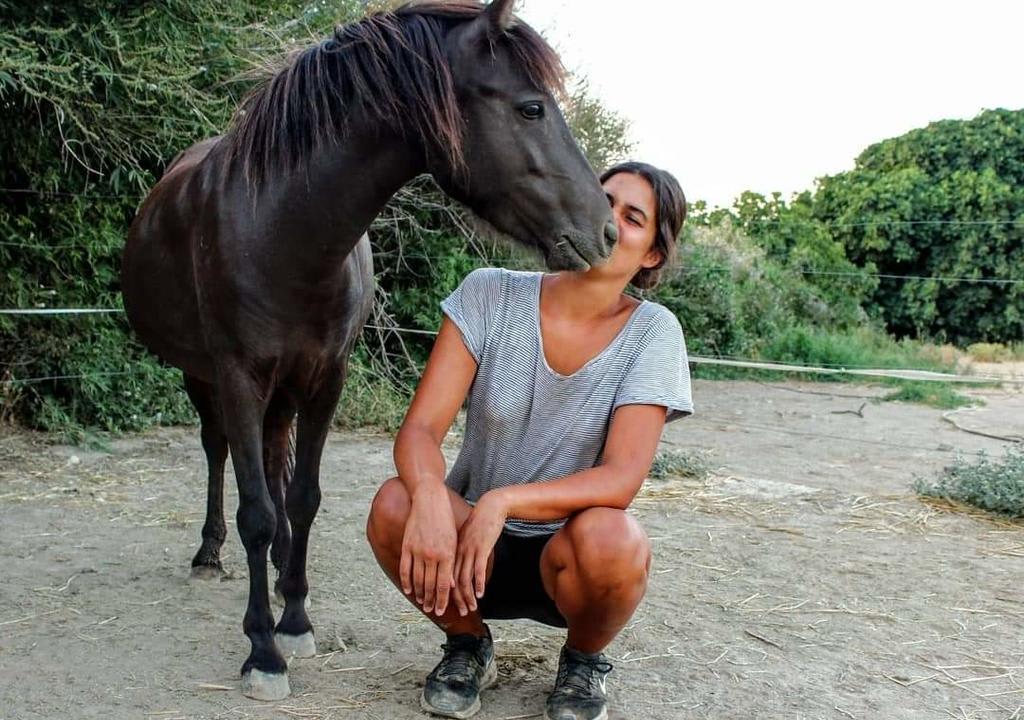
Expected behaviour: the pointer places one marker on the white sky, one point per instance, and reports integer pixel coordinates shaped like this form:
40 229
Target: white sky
732 95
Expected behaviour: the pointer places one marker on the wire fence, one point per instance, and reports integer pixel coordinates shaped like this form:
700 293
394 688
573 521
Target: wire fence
896 373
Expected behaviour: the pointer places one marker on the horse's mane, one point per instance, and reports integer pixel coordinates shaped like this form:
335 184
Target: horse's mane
394 64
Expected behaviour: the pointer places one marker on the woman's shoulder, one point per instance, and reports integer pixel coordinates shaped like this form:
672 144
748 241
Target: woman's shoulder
482 282
657 317
500 281
499 275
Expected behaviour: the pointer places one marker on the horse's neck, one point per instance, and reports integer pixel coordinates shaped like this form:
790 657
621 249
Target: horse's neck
340 193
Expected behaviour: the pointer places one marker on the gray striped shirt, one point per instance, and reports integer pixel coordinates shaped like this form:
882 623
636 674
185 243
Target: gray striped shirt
527 423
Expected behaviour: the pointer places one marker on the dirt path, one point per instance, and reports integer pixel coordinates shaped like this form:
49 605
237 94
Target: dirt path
804 581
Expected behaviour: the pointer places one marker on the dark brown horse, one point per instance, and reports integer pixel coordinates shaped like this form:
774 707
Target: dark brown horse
248 266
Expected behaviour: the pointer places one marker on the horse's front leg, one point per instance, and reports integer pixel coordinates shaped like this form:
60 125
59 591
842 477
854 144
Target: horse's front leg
243 403
294 631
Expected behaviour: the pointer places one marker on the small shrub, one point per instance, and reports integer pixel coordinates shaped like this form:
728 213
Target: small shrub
996 352
680 463
933 394
994 485
989 352
861 348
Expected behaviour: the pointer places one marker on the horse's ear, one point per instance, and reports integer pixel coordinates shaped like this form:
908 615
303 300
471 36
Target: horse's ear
499 16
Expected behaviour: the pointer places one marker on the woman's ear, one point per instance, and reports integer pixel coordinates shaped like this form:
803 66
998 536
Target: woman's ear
654 258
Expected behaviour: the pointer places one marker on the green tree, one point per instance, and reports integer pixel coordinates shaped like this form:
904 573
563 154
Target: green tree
944 201
794 238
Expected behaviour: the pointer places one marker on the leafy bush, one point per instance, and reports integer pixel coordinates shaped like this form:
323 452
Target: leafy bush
996 352
95 97
942 201
861 348
735 300
372 398
994 485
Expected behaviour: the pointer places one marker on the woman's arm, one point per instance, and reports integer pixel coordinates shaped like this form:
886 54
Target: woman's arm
628 452
446 380
428 548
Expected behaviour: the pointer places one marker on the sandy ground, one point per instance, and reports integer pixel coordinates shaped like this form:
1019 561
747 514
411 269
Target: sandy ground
804 580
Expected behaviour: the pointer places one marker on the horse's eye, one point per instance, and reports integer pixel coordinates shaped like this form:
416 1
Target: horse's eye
532 110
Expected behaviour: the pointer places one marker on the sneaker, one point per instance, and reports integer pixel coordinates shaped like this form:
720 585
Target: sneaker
453 687
579 692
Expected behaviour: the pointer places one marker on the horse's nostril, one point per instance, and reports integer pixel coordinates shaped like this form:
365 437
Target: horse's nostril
611 232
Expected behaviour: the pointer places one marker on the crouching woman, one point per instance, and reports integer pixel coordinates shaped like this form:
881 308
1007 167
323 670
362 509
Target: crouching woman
569 383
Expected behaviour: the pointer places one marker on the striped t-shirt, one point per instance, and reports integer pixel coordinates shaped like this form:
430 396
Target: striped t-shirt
527 423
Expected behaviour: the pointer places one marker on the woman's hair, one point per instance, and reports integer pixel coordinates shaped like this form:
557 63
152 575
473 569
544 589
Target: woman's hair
670 211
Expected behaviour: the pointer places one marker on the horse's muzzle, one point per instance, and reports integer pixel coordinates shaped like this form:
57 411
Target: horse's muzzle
611 233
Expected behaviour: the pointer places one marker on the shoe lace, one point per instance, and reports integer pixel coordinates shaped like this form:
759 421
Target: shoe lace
576 675
460 652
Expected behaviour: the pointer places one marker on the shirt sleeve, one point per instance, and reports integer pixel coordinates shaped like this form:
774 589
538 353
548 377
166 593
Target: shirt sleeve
660 375
472 307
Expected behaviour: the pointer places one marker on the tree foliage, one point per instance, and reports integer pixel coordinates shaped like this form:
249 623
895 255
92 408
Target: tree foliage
832 288
944 201
602 133
96 96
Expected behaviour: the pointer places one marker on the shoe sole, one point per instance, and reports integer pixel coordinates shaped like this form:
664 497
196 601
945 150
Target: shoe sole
490 675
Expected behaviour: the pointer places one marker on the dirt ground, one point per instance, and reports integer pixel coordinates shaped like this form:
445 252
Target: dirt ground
804 580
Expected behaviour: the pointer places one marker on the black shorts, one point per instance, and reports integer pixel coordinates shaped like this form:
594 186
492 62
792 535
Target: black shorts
515 589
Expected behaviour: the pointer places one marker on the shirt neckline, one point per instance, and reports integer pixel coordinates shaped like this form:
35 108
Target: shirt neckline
604 351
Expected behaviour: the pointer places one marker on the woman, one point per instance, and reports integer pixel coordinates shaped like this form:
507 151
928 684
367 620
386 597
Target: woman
570 382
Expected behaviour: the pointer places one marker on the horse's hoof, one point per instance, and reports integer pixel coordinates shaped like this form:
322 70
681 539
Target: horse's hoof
207 572
300 646
261 685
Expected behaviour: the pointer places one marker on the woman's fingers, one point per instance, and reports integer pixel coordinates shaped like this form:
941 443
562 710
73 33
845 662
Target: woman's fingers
457 596
429 584
405 571
460 602
418 571
480 574
444 586
465 580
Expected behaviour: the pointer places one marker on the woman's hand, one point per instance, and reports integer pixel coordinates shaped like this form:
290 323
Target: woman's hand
428 549
477 538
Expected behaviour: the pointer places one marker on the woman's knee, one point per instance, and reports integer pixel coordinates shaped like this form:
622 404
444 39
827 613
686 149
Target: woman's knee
388 514
609 547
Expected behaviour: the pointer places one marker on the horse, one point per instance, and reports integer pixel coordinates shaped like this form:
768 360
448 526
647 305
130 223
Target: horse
248 265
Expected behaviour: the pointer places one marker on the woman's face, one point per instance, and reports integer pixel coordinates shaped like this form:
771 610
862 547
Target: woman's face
634 209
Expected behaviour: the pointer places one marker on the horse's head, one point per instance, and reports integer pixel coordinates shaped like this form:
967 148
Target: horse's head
520 168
